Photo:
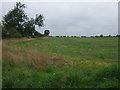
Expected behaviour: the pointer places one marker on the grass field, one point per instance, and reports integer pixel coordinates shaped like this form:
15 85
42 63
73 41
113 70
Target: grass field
65 62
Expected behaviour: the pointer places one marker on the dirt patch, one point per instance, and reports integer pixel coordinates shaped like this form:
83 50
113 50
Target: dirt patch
17 40
28 39
45 37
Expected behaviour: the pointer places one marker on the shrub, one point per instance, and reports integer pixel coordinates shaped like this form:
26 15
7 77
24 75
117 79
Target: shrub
101 35
117 35
83 36
37 34
46 32
109 36
13 33
17 35
57 36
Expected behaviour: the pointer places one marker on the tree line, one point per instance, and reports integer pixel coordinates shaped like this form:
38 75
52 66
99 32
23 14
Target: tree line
89 36
16 23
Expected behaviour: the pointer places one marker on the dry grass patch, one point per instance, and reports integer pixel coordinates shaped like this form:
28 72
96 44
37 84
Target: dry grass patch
39 60
30 57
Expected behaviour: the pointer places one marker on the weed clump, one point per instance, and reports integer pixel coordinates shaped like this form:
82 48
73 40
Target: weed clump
50 69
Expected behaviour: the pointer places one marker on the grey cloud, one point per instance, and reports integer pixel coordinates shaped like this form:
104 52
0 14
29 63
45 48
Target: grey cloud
90 18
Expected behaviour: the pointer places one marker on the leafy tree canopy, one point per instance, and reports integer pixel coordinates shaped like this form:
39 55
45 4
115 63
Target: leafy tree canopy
17 19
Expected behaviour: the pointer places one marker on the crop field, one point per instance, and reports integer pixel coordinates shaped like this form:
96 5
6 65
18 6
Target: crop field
60 62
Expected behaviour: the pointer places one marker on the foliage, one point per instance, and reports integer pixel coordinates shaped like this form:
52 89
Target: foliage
4 33
37 34
39 20
101 35
29 28
46 32
17 19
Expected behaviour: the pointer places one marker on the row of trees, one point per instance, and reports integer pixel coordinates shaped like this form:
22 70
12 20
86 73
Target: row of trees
17 24
90 36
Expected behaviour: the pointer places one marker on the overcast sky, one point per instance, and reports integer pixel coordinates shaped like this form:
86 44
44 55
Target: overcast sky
73 18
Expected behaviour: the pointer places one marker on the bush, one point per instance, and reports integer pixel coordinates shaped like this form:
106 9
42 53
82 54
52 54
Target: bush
17 35
101 35
4 33
37 34
11 33
109 36
46 32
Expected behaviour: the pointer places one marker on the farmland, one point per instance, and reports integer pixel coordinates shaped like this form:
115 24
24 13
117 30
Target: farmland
64 62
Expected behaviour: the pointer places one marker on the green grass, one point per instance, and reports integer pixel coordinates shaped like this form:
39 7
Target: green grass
74 48
93 64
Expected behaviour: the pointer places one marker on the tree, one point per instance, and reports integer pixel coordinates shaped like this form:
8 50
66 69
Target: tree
15 18
39 20
109 35
29 28
46 32
101 35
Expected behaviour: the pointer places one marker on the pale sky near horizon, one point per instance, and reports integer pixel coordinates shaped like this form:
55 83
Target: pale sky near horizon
73 18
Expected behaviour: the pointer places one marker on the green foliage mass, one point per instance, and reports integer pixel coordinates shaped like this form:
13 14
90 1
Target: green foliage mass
17 19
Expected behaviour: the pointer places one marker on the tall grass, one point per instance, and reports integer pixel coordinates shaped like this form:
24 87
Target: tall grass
29 57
